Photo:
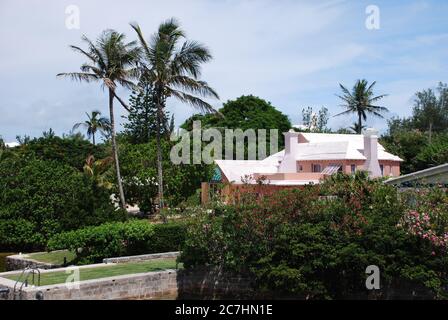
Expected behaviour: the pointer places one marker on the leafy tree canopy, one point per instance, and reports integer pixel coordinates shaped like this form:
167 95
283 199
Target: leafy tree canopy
245 112
141 125
72 150
40 198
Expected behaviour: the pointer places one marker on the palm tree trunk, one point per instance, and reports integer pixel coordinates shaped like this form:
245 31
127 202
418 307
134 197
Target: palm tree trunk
93 138
430 132
114 149
159 156
359 123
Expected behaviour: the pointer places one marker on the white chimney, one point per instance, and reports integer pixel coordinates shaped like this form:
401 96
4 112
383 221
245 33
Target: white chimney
371 153
289 162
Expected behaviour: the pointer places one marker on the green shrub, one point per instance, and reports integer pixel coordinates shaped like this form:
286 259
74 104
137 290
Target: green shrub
41 198
317 242
93 244
19 233
71 150
138 168
167 237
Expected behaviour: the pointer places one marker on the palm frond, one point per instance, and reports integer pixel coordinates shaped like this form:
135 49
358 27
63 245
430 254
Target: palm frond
189 58
378 97
379 115
79 124
79 76
141 38
378 108
343 112
95 52
121 101
195 102
91 69
88 55
194 86
345 90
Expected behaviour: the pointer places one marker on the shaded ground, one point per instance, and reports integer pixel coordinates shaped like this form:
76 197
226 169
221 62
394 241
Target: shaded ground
3 256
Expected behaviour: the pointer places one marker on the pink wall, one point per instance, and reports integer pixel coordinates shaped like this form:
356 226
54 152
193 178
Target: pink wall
389 167
290 176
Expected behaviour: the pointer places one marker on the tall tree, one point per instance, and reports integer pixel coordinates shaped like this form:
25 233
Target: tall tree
315 122
356 129
173 66
141 122
430 110
362 101
94 123
245 112
111 62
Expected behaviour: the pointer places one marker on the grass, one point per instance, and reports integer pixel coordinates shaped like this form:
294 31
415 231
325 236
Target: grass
54 257
108 270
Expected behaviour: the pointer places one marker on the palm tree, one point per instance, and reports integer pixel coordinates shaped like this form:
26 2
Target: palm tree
355 127
97 170
94 123
361 101
111 62
173 66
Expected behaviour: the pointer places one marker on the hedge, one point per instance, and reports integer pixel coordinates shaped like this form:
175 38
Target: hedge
134 237
316 243
41 198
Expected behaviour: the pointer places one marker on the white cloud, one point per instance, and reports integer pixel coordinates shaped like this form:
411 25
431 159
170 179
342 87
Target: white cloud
293 53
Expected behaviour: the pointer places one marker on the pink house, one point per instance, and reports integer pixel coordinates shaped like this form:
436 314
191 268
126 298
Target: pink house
309 157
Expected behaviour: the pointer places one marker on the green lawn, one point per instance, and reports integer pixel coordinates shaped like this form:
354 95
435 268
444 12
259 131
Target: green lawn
54 257
108 270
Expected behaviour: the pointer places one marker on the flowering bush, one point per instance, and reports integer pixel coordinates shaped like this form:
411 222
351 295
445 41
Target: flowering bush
317 242
427 217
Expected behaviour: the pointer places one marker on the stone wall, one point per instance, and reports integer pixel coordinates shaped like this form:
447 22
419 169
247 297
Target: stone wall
206 283
184 284
144 257
151 285
18 262
167 284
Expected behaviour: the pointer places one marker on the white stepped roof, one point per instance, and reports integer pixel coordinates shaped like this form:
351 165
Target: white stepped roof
12 144
235 170
338 150
320 146
354 149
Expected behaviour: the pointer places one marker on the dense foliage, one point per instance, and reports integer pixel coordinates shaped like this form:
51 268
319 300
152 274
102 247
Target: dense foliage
421 140
141 125
139 171
317 242
315 121
70 150
245 112
39 198
92 244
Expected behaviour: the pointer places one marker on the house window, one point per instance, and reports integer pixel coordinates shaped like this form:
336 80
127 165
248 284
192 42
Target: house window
353 168
316 168
300 167
382 169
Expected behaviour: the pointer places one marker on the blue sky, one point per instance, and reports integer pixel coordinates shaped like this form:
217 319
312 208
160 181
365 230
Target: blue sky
291 53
